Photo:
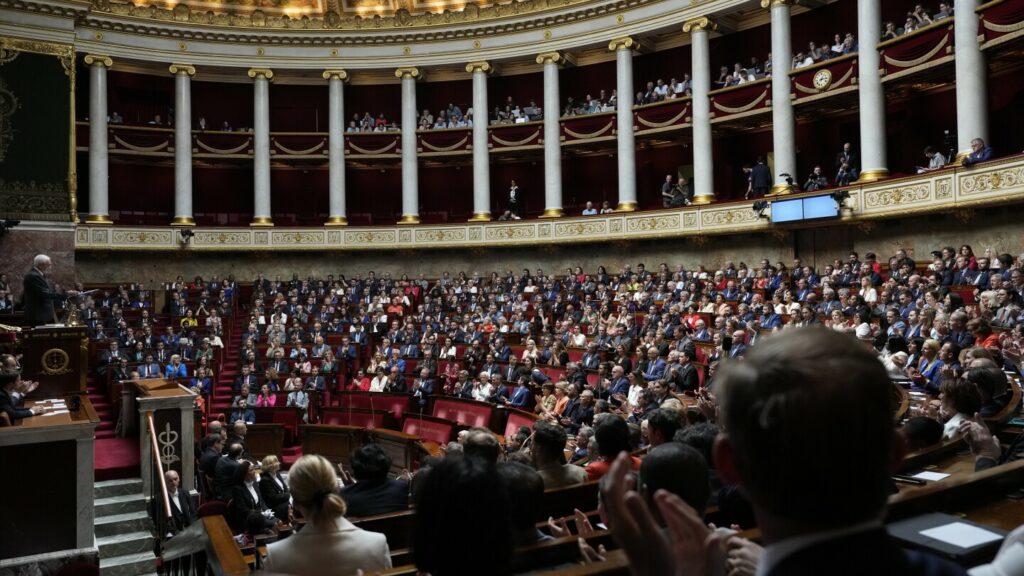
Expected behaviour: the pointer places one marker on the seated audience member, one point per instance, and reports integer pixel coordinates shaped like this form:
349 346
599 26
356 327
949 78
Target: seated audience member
612 435
452 497
776 410
242 413
548 454
9 383
921 432
525 491
960 401
183 511
266 398
373 493
935 160
979 153
662 425
273 488
678 469
246 510
992 385
589 210
328 540
481 443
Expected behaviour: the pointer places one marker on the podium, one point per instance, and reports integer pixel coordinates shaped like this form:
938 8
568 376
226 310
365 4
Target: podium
57 357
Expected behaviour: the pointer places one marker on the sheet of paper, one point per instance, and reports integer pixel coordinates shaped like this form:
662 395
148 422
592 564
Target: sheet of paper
961 534
931 476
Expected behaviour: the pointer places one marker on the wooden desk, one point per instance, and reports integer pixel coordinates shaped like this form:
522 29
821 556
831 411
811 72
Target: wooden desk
336 443
49 460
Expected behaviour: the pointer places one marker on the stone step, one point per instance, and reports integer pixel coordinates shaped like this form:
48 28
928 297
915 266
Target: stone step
121 523
120 487
128 564
128 543
119 505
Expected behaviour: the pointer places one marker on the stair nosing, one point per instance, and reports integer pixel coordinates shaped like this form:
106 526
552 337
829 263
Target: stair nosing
123 517
113 538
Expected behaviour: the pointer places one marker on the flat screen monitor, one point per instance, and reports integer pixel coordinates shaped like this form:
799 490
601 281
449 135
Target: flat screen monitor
788 210
820 207
797 209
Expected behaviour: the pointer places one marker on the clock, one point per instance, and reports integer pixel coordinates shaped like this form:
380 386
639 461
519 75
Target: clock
822 79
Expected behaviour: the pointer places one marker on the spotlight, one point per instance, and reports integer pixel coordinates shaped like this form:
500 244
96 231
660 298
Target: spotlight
840 196
788 177
759 207
186 235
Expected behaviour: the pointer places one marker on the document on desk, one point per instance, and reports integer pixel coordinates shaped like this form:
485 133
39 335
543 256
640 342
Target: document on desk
930 476
961 534
55 412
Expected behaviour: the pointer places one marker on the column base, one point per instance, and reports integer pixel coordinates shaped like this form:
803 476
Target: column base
261 221
98 219
552 213
183 221
336 221
873 175
480 217
781 189
410 219
702 200
959 160
626 207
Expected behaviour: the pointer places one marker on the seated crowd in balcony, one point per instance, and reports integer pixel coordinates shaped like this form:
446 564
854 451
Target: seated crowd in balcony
917 18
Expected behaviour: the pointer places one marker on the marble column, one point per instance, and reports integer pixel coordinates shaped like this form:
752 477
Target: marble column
971 78
700 63
183 74
623 48
873 165
783 124
410 164
552 136
99 211
481 151
337 215
261 146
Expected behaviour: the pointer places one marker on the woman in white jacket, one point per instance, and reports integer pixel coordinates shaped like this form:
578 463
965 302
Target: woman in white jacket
328 541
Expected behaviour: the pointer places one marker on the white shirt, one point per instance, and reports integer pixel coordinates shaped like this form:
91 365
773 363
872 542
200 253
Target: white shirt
174 498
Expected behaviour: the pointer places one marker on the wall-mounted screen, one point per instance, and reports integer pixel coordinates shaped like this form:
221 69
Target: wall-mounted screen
798 209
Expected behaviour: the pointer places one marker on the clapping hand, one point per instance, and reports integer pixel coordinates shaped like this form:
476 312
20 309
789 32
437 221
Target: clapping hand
980 439
687 548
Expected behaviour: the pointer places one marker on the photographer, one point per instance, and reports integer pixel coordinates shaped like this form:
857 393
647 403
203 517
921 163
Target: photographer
816 181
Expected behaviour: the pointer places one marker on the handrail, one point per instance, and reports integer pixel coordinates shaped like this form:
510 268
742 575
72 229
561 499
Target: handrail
157 465
211 536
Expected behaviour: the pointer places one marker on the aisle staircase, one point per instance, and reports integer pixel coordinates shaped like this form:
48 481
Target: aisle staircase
230 367
123 528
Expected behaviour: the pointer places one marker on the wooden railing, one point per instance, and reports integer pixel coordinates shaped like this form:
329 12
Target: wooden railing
205 547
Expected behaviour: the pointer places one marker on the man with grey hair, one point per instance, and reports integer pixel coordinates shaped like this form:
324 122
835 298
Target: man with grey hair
37 297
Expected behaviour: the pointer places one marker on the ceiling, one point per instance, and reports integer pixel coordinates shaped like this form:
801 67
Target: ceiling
315 8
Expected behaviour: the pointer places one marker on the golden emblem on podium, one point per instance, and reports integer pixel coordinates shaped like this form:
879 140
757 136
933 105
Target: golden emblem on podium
55 362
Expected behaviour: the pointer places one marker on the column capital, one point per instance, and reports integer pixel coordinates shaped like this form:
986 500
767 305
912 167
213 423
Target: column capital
774 3
407 72
553 57
336 73
257 73
183 69
98 60
702 24
480 66
623 43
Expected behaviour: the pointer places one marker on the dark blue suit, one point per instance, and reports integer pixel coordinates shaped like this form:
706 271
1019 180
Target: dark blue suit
520 396
870 552
655 370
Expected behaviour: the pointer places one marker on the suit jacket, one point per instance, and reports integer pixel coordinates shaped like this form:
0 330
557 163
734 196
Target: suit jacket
423 389
275 496
520 397
242 505
654 370
844 556
183 516
38 298
511 374
11 407
343 547
761 176
208 461
686 377
150 370
224 477
372 498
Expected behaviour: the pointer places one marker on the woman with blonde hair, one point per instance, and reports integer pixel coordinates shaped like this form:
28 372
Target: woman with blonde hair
328 540
274 489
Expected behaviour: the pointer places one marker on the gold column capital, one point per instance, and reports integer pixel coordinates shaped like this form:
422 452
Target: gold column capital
623 43
407 72
98 60
774 3
336 73
553 57
480 66
257 73
182 69
699 24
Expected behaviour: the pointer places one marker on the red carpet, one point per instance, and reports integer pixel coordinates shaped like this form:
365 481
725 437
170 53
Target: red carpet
116 458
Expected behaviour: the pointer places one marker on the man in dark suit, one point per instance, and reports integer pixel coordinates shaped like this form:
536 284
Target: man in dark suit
423 387
183 511
213 445
512 372
760 179
9 404
224 471
396 382
37 296
373 493
781 424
